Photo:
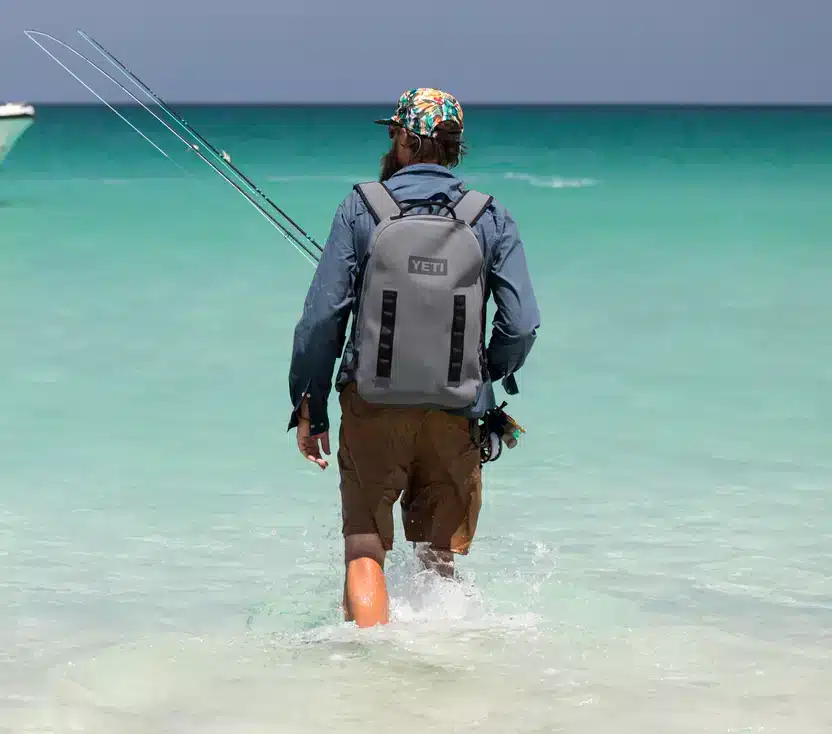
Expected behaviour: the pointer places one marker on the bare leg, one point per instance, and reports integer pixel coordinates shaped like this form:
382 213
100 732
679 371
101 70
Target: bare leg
439 561
365 593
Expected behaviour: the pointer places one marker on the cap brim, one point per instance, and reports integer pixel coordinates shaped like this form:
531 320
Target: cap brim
383 122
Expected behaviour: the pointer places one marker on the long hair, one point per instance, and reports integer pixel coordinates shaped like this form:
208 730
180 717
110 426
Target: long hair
445 146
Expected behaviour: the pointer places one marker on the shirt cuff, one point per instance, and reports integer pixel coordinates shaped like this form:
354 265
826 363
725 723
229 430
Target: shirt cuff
318 418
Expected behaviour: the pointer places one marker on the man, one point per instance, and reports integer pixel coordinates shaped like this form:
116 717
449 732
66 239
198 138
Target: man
386 445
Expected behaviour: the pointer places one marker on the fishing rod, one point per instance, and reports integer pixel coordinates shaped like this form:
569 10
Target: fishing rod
90 89
224 158
135 79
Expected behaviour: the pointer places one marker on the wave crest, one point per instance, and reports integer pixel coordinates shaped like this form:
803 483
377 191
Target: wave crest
551 182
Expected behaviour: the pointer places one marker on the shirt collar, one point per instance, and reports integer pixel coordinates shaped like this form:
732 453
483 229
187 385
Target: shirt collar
417 168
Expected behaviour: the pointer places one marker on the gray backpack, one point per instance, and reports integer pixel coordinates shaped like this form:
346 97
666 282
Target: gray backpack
419 329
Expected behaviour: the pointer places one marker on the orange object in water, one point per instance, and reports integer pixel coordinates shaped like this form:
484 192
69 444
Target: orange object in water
367 601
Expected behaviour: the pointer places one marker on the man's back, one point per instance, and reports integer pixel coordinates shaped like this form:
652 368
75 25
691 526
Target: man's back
506 272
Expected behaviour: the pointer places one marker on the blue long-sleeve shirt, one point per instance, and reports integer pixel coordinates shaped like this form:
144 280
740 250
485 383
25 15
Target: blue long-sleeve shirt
322 329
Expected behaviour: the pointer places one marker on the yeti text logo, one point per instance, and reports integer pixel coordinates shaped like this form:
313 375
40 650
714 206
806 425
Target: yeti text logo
427 266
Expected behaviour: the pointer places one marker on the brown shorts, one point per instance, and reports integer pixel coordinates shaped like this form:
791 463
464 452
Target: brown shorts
427 455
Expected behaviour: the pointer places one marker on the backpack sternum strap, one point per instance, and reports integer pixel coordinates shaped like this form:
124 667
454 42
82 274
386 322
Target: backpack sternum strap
378 200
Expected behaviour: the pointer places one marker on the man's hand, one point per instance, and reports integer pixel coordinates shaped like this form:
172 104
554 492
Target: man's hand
309 446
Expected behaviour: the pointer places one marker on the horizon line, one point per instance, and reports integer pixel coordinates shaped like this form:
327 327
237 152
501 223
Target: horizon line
475 104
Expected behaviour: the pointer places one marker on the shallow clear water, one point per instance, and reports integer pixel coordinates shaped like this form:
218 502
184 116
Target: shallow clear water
656 557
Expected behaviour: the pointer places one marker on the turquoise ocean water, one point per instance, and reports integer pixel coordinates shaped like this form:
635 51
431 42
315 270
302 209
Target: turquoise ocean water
656 556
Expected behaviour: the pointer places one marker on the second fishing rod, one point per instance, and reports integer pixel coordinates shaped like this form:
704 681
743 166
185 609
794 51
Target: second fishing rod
223 159
180 120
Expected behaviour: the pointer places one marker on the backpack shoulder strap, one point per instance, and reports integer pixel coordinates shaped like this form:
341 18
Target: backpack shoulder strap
378 200
471 206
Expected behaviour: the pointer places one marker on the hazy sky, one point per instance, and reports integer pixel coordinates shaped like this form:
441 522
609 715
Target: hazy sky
697 51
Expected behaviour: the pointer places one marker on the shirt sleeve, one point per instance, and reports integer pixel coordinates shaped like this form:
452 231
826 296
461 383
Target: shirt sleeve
320 332
517 317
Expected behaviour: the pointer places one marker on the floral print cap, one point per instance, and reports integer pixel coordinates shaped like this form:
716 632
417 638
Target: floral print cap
421 110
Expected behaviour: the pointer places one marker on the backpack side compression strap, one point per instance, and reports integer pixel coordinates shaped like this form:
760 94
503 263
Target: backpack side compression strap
471 206
378 200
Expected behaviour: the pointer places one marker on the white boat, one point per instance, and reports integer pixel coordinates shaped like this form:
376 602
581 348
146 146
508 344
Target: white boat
15 118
